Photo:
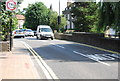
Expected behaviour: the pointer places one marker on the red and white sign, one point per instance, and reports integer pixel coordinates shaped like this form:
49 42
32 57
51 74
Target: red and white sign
11 5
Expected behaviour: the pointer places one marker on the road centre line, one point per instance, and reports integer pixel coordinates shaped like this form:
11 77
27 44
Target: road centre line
57 45
46 69
91 58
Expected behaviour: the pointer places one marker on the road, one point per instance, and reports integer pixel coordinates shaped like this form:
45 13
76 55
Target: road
70 60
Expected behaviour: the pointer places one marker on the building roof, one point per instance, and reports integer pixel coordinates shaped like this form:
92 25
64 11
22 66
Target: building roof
20 17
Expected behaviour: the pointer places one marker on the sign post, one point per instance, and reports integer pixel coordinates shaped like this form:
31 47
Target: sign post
11 5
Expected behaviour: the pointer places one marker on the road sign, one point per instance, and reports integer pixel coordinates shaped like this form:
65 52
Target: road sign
11 5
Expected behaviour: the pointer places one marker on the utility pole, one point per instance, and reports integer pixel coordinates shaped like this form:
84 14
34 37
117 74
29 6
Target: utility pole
59 18
59 7
11 31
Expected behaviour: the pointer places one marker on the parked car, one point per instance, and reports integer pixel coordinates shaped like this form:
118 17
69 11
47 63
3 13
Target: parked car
18 33
44 31
29 32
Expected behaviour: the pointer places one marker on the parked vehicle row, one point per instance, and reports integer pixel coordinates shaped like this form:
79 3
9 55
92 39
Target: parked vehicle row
43 32
23 33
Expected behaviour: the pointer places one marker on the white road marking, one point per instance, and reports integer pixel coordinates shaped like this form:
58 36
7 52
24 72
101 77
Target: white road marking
114 55
46 69
108 57
57 45
72 42
44 41
92 58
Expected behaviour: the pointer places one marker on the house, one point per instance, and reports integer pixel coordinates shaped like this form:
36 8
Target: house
67 13
21 20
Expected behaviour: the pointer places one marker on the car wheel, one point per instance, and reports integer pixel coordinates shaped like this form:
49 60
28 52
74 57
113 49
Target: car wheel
37 37
51 38
40 38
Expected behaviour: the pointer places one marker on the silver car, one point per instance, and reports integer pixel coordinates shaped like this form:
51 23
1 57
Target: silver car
29 32
18 33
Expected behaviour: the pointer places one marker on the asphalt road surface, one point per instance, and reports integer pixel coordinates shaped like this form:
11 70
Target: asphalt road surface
70 60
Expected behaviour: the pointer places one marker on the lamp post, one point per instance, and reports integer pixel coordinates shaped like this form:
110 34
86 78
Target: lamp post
11 31
59 18
59 7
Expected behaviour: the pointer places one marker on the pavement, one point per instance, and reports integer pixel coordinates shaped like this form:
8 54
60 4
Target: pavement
17 64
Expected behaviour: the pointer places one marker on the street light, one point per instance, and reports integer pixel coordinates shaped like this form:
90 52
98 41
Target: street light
59 7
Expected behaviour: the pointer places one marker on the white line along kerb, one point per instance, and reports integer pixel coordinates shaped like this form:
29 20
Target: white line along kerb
46 69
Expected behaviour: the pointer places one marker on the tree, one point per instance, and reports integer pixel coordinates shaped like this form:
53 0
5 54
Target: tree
5 22
36 14
84 14
109 15
63 23
105 16
53 20
20 12
116 10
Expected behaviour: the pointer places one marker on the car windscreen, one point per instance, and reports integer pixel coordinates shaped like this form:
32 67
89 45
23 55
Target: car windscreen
46 30
29 31
18 31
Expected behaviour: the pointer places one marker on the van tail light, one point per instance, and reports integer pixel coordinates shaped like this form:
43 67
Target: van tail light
14 32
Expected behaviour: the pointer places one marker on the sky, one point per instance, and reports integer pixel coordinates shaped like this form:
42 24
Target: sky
55 4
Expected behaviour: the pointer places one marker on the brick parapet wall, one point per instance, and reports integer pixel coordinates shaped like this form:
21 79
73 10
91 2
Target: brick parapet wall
92 39
4 46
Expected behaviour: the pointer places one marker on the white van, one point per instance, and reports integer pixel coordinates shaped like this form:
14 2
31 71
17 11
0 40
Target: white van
44 31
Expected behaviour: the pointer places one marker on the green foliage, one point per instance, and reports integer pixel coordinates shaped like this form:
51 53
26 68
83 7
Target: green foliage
84 14
54 23
116 10
109 15
53 20
36 14
63 22
105 16
20 12
5 17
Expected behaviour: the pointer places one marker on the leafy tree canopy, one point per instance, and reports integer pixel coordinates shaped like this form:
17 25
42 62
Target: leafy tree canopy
109 16
36 14
84 14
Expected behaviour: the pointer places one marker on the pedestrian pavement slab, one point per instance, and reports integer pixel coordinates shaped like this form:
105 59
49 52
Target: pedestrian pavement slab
17 65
